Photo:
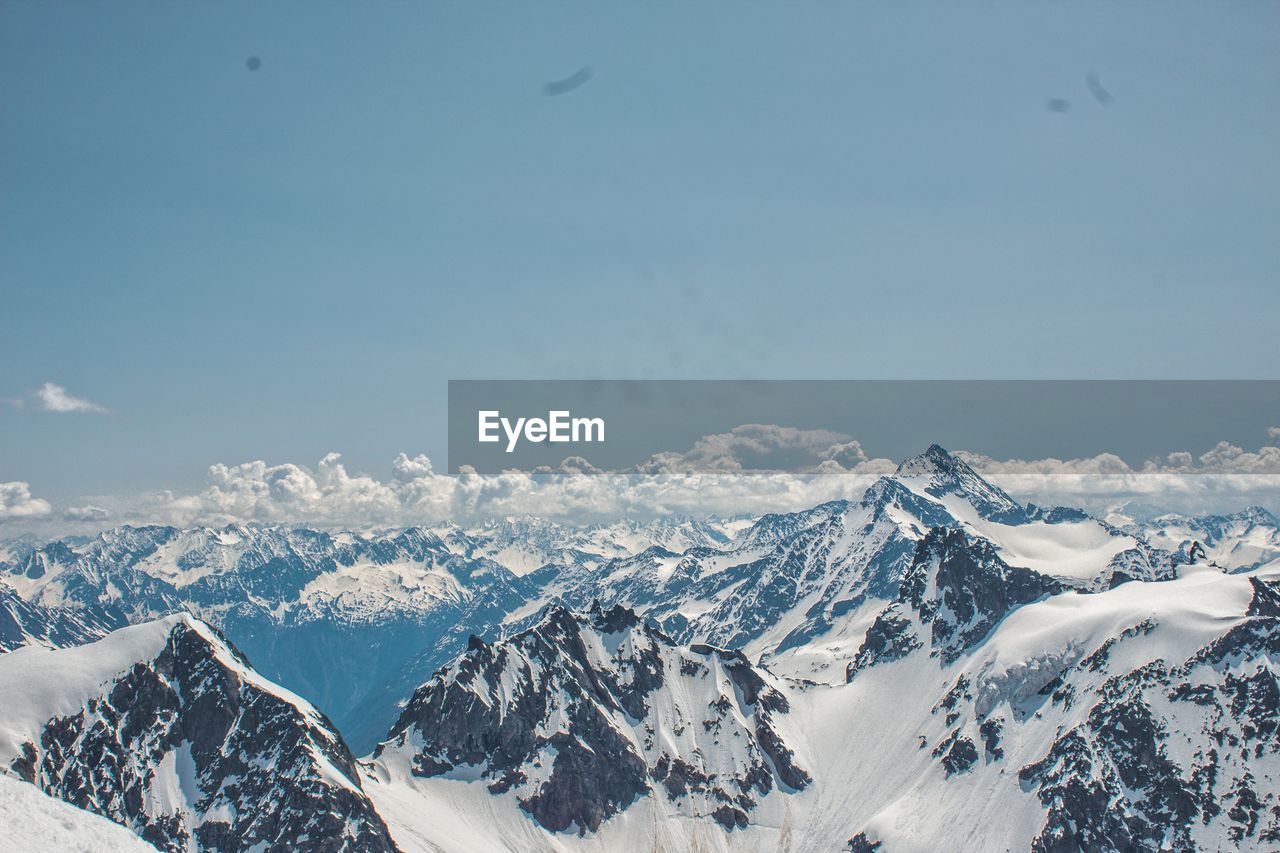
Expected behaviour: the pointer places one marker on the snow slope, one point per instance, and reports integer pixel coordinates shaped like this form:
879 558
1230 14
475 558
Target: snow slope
1134 717
33 822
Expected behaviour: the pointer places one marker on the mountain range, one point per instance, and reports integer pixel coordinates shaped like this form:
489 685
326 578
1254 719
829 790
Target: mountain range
931 662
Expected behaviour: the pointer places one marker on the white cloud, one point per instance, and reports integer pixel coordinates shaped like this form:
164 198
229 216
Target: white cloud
848 454
754 447
260 492
55 398
327 494
86 513
16 502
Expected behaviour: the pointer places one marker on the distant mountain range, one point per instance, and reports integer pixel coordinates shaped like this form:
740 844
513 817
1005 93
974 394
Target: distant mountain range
931 666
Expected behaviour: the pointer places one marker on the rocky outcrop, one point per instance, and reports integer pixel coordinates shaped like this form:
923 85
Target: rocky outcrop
955 592
581 715
187 746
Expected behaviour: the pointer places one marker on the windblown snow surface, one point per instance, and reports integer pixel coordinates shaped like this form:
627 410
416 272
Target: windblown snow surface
33 822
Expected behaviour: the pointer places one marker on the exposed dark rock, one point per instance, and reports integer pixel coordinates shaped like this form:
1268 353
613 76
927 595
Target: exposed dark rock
250 755
958 753
958 586
1266 598
990 731
891 637
730 817
492 707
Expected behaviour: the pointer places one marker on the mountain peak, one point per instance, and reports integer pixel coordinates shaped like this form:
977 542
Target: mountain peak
939 473
579 727
1257 515
938 452
935 459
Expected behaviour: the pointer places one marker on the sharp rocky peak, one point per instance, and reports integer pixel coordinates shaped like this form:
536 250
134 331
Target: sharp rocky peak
1257 515
939 473
580 715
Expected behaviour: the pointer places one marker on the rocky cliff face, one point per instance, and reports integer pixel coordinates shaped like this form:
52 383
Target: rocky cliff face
955 592
164 728
579 716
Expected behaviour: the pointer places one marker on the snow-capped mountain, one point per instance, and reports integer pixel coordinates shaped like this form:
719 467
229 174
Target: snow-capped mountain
955 592
525 544
356 621
330 615
1141 717
164 728
990 708
24 623
800 589
335 616
578 717
1237 541
932 662
368 600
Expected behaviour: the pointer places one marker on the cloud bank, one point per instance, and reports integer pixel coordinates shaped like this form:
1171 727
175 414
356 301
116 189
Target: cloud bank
719 475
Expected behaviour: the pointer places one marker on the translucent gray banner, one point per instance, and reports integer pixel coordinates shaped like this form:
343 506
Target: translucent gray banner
826 426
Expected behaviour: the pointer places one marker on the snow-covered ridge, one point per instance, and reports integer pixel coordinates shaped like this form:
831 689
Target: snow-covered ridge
1242 540
578 717
1046 719
163 727
798 589
24 623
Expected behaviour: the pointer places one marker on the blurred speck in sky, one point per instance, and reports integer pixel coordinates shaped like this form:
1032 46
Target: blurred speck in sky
1099 92
568 84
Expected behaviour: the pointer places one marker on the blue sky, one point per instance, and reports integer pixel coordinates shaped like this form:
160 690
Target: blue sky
277 263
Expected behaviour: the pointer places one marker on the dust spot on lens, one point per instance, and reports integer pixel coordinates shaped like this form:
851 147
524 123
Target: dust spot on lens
1099 92
568 84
